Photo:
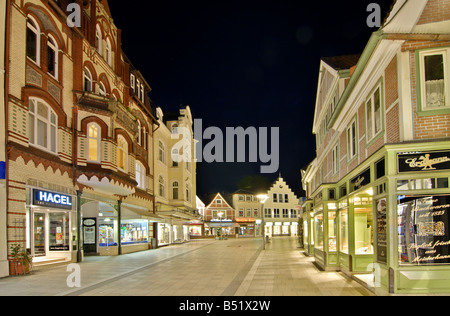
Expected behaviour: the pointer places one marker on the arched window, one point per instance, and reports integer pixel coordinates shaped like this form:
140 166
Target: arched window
42 125
162 152
162 186
98 40
33 40
108 52
101 89
87 80
175 190
52 57
94 142
122 153
141 175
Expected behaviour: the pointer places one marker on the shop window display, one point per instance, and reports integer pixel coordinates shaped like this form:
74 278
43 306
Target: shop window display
59 232
106 233
318 221
363 231
332 231
134 231
423 229
343 224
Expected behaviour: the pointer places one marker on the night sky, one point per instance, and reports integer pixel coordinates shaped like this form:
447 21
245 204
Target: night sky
242 63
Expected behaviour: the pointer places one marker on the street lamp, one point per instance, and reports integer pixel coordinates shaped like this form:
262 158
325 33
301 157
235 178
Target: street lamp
263 198
220 214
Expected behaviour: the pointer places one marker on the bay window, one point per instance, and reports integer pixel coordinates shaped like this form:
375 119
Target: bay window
94 142
122 153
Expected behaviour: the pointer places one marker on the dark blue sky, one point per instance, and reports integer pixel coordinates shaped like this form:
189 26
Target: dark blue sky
242 63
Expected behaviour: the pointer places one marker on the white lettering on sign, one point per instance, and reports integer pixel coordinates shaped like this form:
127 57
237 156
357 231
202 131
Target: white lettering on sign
54 198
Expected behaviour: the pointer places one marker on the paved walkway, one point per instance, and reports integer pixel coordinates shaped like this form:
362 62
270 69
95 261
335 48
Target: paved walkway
235 267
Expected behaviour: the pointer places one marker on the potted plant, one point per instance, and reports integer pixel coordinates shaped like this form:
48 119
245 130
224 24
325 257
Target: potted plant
21 262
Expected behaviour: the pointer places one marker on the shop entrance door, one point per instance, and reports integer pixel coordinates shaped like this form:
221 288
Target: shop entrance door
90 236
39 235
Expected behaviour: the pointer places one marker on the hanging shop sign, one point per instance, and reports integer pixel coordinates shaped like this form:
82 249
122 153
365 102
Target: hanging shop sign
52 199
424 229
360 180
424 161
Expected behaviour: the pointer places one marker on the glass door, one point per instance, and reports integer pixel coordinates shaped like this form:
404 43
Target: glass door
39 235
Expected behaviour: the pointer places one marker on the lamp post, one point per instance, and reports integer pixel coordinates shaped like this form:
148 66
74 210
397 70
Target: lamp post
263 198
220 214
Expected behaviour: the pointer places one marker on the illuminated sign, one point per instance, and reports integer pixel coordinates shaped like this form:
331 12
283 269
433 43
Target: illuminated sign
2 170
438 160
52 199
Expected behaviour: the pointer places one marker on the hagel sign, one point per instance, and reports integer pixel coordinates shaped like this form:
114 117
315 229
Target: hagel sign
52 199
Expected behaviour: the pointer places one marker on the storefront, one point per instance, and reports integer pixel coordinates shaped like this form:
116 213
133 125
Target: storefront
247 226
418 254
51 223
308 217
196 229
388 220
163 234
110 228
220 228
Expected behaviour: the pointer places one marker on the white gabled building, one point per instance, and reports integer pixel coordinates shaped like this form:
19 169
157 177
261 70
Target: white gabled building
281 210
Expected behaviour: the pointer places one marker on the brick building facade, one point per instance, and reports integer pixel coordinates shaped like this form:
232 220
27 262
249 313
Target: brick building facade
80 135
382 125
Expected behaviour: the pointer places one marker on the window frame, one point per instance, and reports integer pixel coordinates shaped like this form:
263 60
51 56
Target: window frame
162 186
35 116
122 145
175 188
374 133
53 45
161 152
109 52
352 131
98 39
33 26
141 175
98 139
422 109
89 79
335 159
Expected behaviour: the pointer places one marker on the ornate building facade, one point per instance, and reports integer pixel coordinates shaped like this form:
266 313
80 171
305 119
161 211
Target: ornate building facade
80 165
